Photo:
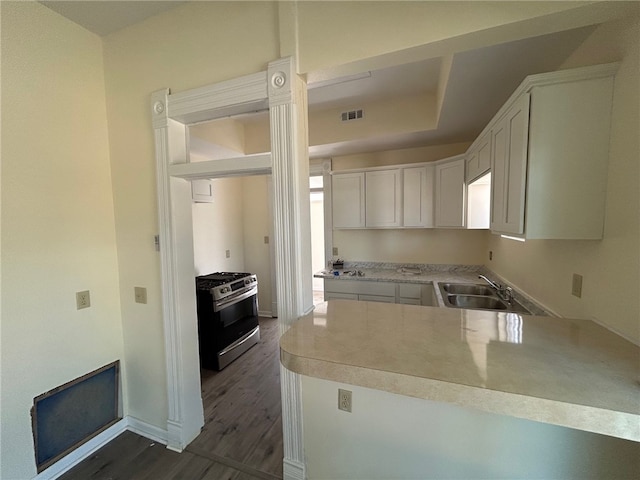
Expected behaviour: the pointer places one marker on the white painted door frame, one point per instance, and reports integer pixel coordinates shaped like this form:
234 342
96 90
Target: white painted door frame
281 91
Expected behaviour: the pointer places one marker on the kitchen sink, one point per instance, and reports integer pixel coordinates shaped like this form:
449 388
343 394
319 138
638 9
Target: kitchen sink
472 301
467 289
477 297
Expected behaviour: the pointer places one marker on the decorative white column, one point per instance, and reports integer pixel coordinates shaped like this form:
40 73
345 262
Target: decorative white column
289 153
185 415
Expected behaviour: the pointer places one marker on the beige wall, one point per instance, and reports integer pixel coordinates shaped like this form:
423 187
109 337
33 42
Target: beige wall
257 221
238 220
187 47
395 436
398 157
59 172
403 115
357 31
611 267
218 227
440 246
58 229
384 117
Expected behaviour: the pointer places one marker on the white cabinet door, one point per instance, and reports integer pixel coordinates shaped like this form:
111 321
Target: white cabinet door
450 194
509 168
479 158
348 198
418 196
383 198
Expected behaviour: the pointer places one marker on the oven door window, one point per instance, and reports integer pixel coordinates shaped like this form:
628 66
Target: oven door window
238 311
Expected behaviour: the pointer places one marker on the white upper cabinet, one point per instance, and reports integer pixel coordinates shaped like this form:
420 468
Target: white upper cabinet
450 194
348 200
383 198
509 168
479 158
418 196
550 153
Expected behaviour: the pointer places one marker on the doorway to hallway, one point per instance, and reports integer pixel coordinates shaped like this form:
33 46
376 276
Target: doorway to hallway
316 192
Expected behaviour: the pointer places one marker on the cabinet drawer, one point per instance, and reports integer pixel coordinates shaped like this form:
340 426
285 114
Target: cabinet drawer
377 298
410 290
409 301
344 296
360 287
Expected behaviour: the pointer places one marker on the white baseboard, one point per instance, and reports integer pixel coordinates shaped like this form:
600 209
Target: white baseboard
85 450
147 430
265 313
292 470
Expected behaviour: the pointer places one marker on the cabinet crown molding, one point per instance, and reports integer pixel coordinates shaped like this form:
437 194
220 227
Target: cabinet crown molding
399 166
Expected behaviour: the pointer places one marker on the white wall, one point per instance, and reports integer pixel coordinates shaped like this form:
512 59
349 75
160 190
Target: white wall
610 267
54 143
238 220
196 44
393 436
58 229
218 227
432 245
258 222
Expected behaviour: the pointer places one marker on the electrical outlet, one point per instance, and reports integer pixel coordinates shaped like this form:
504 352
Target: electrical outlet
140 294
576 285
344 400
227 253
335 250
83 299
490 254
266 239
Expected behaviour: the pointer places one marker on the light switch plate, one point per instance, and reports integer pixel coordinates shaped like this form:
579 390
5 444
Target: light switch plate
576 285
140 294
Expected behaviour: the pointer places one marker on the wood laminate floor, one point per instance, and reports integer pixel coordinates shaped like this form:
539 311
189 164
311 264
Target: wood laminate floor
241 438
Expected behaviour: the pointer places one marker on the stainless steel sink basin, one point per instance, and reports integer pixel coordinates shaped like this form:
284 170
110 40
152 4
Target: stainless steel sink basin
471 301
477 297
467 289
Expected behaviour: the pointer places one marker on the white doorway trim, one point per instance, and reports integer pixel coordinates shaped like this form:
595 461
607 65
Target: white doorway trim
281 91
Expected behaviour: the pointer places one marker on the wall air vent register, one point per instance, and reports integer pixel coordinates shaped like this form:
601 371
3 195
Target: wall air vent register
352 115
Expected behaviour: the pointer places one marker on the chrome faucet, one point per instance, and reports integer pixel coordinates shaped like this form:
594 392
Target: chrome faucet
497 286
505 293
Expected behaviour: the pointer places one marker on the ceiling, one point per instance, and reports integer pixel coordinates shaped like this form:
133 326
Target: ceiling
479 83
105 17
479 80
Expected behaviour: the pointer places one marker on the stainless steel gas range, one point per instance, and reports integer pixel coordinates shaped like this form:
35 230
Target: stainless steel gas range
227 317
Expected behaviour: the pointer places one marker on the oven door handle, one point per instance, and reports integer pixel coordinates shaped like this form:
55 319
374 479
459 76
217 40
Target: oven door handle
217 306
239 342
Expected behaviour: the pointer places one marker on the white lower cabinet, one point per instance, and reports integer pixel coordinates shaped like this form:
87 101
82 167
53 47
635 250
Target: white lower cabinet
386 292
410 293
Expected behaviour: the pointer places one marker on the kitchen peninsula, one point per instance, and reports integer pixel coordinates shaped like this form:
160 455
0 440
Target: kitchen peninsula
566 372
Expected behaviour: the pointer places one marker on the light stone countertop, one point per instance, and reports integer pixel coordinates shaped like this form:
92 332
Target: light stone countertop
429 274
572 373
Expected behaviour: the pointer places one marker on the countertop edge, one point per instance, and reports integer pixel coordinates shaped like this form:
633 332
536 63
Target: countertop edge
581 417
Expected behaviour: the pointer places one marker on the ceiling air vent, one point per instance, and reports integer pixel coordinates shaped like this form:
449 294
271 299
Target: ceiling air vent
351 115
